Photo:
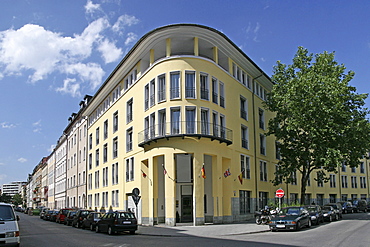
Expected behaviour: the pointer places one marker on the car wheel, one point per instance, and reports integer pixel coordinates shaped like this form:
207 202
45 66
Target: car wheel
110 230
330 218
91 227
133 232
97 229
336 217
318 221
298 226
78 224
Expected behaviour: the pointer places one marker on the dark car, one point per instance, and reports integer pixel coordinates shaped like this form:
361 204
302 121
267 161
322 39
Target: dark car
43 212
346 207
315 214
91 219
53 216
359 206
118 221
69 218
329 213
79 217
291 218
337 208
47 214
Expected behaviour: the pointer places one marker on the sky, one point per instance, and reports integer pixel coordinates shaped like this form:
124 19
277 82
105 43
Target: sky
52 53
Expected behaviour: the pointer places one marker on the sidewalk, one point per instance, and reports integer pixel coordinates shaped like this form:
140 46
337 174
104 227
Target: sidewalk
209 230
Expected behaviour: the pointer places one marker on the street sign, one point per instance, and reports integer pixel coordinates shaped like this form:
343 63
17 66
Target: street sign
135 195
280 193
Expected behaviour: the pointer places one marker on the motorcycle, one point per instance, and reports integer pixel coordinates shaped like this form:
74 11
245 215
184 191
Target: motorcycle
264 216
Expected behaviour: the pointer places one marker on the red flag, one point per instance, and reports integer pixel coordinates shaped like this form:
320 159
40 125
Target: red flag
203 172
240 177
227 173
144 174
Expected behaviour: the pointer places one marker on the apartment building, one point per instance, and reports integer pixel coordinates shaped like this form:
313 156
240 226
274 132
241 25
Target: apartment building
51 180
12 188
60 173
76 133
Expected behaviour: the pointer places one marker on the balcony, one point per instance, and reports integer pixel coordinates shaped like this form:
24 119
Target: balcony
183 129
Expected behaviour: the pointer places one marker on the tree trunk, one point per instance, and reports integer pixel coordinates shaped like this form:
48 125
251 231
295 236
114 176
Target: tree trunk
303 188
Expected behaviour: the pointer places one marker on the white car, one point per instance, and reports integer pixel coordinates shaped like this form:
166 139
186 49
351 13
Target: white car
9 230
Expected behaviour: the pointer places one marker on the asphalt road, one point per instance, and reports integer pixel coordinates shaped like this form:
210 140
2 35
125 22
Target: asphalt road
352 230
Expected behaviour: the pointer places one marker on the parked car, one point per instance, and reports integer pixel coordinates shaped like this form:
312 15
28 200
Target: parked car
62 214
359 206
315 214
337 208
329 213
47 215
53 216
346 207
43 212
79 217
117 221
290 218
9 230
69 218
90 220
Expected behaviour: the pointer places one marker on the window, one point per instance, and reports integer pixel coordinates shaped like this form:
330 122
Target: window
215 124
129 108
146 97
105 176
363 182
161 88
344 167
90 141
89 181
97 199
129 140
277 150
214 90
130 79
115 148
115 200
175 85
115 173
175 121
222 94
204 121
353 169
278 177
90 161
162 122
105 129
244 136
97 157
115 121
294 178
263 144
204 92
243 108
190 120
332 181
362 168
333 198
261 117
152 125
263 170
130 169
245 166
97 136
190 85
354 182
152 92
105 153
320 183
344 181
245 201
97 180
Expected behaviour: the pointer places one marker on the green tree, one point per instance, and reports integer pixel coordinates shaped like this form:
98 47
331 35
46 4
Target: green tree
17 199
320 121
5 198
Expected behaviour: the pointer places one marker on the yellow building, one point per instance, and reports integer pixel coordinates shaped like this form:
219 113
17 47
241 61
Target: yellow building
181 119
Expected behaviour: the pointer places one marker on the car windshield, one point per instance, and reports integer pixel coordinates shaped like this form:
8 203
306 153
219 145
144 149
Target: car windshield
126 215
326 208
290 211
6 213
311 209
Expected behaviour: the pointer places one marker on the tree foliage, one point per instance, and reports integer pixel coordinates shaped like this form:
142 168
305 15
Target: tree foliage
320 120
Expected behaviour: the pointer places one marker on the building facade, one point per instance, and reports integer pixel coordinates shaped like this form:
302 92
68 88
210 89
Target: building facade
60 174
13 188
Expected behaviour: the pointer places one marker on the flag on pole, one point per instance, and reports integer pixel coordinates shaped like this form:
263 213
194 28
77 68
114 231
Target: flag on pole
203 171
144 174
164 170
227 173
240 177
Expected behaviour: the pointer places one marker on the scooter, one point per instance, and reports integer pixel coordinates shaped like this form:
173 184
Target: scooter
262 216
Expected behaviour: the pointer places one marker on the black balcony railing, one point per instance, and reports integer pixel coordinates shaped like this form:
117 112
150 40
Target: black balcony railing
185 128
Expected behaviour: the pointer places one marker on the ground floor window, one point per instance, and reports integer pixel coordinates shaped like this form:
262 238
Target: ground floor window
320 199
263 197
333 198
245 201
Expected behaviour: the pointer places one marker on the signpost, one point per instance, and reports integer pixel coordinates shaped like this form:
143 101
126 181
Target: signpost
136 198
280 194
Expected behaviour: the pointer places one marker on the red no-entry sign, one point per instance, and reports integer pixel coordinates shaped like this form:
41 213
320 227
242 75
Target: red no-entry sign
280 193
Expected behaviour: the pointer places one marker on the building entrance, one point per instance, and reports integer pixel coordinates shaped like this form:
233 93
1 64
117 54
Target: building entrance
186 208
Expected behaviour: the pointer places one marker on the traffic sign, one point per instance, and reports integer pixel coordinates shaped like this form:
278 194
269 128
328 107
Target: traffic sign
280 193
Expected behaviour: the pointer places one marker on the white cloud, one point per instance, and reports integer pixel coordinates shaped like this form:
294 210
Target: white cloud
51 148
109 51
131 37
38 123
6 125
22 160
91 8
70 87
90 72
123 21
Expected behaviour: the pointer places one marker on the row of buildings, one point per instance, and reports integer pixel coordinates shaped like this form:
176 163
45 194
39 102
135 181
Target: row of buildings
181 122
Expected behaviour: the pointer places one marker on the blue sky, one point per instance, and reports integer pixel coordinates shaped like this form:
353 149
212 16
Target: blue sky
52 53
